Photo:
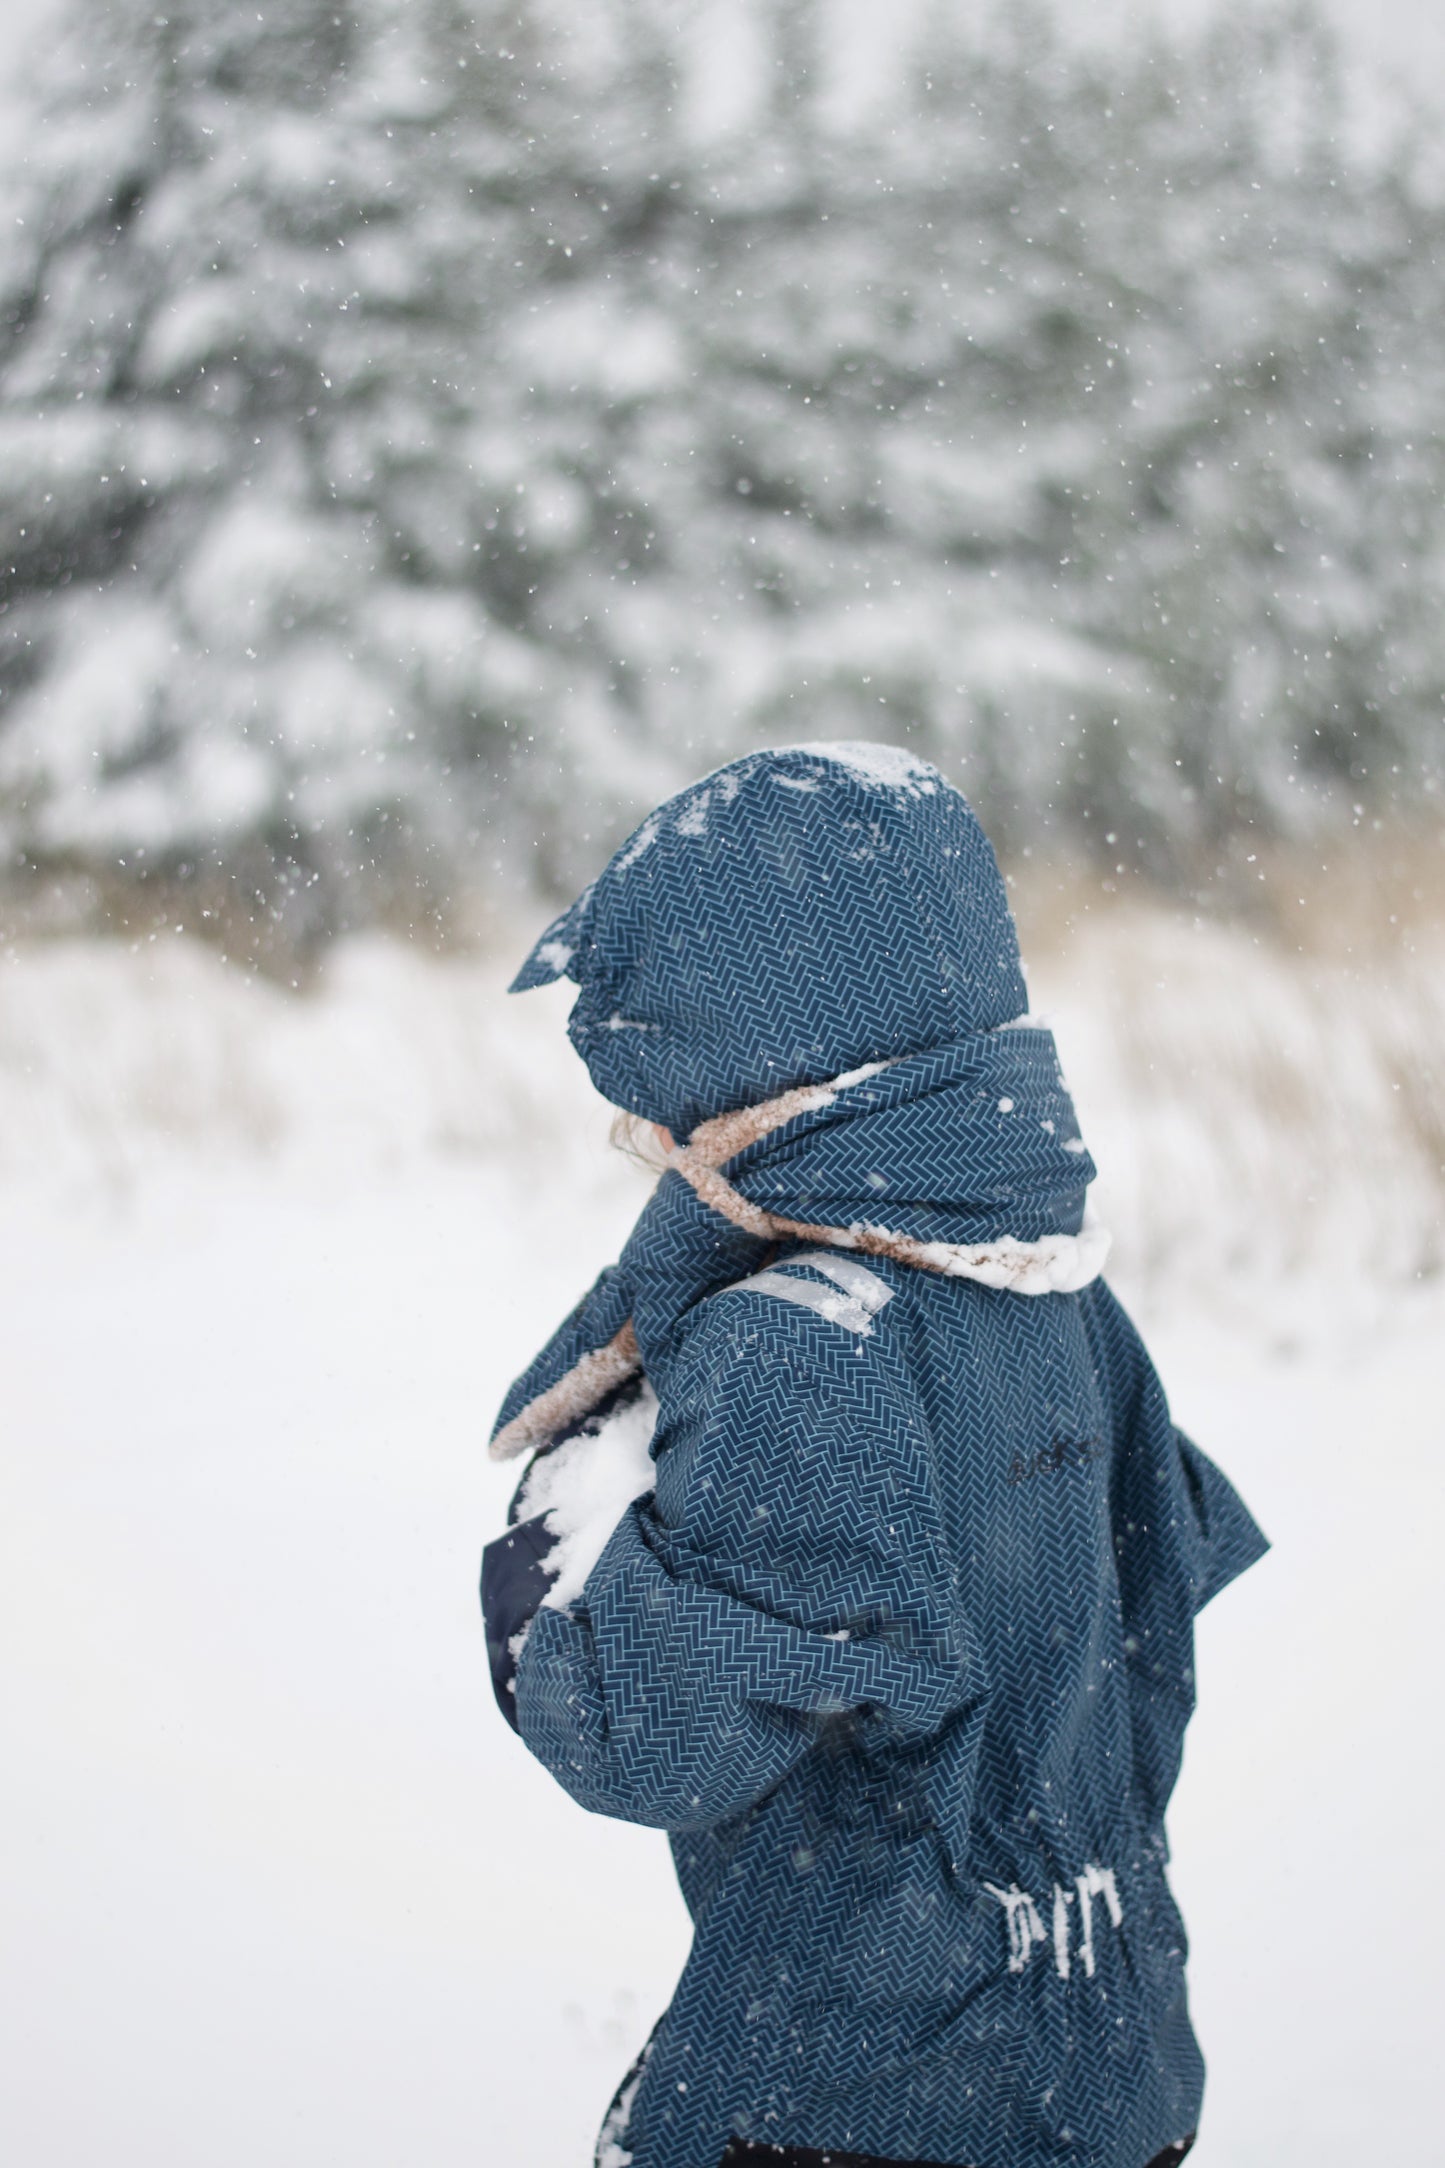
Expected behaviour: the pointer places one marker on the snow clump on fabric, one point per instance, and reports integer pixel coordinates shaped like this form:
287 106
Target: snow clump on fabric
583 1487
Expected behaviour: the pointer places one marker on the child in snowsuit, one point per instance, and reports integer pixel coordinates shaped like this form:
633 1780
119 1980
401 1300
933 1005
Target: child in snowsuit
897 1641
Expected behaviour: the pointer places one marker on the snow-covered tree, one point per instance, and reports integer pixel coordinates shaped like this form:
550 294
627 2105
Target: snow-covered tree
428 428
271 499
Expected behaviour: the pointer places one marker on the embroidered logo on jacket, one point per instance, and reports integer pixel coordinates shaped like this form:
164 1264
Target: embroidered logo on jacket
1063 1453
1026 1930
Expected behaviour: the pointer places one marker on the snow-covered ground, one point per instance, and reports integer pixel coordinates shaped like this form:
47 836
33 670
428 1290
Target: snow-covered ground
278 1884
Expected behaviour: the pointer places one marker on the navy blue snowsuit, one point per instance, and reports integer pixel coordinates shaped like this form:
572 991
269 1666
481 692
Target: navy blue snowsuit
900 1649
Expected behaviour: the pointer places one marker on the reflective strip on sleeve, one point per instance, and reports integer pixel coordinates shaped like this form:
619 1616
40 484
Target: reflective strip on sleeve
856 1280
853 1301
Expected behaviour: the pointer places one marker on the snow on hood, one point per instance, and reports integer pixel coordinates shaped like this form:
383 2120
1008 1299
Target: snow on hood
799 913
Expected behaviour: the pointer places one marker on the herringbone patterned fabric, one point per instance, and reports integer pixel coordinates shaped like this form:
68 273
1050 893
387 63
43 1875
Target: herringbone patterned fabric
900 1650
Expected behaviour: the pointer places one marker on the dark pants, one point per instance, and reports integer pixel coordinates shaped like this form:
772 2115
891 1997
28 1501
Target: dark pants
742 2153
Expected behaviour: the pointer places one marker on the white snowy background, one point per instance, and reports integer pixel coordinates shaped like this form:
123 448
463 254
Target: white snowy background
277 1884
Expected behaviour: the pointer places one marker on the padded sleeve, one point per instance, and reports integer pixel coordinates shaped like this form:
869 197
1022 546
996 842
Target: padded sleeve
788 1568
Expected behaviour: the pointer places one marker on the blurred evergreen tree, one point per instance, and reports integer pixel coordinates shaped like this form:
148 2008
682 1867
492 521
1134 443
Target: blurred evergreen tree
426 429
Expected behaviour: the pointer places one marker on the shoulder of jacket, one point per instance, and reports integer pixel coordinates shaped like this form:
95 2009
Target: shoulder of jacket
800 1362
789 1327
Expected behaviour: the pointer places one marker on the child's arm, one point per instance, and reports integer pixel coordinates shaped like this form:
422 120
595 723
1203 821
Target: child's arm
789 1568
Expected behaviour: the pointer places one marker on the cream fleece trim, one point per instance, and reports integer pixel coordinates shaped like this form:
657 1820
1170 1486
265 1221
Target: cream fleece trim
1054 1265
599 1372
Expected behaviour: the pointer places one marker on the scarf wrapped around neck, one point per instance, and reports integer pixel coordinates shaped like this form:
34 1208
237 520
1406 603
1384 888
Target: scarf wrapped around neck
964 1161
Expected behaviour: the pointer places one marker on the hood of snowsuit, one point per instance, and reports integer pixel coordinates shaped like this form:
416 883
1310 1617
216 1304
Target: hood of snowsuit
794 916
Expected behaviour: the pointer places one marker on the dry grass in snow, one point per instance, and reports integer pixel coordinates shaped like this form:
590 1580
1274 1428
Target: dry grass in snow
1257 1115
